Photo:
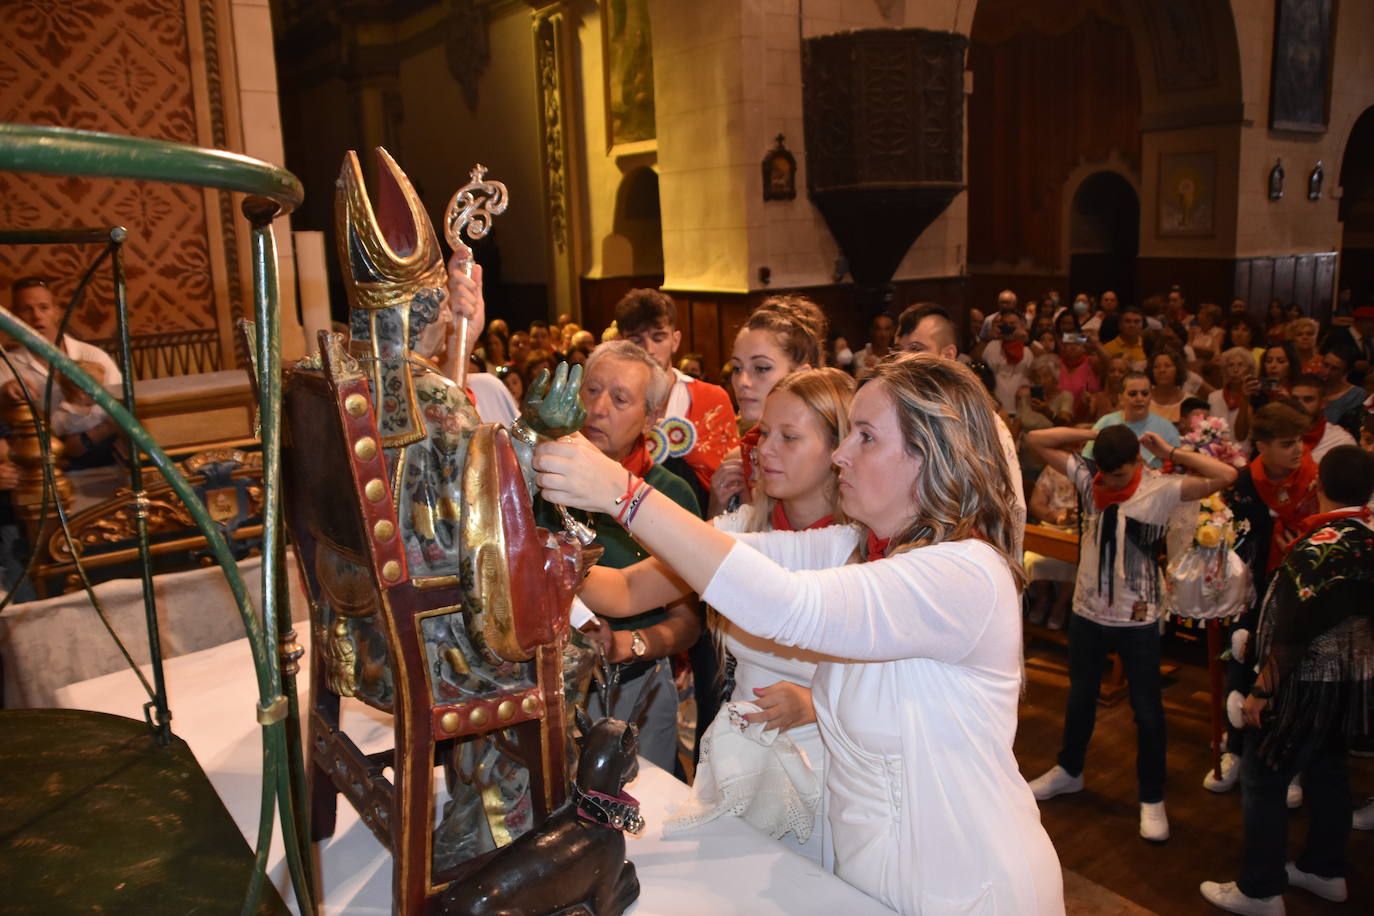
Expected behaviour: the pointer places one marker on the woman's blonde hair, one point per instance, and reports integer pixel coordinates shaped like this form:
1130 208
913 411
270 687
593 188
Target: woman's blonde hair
949 420
1306 323
827 392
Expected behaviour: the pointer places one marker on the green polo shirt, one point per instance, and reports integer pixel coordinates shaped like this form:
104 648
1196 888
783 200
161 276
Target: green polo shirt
621 549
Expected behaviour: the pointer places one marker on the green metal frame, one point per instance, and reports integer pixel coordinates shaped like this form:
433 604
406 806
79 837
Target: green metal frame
272 192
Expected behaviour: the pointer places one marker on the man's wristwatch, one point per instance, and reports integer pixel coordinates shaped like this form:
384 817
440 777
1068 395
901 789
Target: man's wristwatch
637 644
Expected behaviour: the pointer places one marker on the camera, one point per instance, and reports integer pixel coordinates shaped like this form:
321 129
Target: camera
1075 338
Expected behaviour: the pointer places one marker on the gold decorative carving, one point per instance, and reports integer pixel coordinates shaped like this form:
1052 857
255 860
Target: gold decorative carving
384 530
365 448
197 462
115 520
483 538
457 661
375 490
391 571
449 722
290 653
356 405
25 451
506 710
478 717
530 705
342 654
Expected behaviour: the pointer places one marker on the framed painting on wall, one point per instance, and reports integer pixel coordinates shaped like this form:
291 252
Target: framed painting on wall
1299 88
628 64
1186 203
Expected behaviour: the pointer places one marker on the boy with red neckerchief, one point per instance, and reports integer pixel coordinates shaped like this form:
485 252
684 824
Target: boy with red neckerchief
1269 500
698 424
1119 593
1314 653
1309 391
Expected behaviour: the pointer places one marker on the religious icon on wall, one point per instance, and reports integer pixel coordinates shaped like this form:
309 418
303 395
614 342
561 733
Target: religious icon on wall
629 69
779 173
1302 65
1187 195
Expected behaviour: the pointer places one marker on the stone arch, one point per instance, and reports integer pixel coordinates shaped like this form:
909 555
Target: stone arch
635 246
1102 228
1356 213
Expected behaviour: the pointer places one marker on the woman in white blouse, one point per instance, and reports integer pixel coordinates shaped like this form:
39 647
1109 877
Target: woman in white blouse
804 418
928 811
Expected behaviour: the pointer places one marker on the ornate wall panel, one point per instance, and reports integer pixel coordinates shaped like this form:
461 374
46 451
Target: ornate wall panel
125 68
884 117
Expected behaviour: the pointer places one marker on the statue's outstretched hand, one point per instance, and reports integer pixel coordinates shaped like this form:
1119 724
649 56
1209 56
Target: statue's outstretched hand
555 409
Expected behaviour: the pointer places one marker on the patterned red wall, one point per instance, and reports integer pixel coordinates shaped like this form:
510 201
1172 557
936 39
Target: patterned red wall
122 66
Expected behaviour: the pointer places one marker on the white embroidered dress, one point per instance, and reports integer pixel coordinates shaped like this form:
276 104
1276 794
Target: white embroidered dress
926 807
756 768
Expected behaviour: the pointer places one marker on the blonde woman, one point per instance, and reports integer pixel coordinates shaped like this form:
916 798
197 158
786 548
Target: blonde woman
927 809
1303 333
804 418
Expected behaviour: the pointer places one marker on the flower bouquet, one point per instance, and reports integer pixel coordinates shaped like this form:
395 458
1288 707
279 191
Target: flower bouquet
1212 436
1209 580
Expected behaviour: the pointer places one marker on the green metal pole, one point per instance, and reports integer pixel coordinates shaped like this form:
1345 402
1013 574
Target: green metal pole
161 717
260 212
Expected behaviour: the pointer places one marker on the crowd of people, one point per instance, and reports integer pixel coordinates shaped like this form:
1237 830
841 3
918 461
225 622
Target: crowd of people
828 546
852 519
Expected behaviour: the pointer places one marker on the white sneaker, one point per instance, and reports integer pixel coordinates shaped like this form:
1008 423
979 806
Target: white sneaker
1295 792
1333 889
1229 898
1230 772
1363 818
1056 782
1154 822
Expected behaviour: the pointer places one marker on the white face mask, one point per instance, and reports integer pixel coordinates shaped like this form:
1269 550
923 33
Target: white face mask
1081 306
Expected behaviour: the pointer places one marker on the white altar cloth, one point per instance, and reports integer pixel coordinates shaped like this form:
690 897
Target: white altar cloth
723 867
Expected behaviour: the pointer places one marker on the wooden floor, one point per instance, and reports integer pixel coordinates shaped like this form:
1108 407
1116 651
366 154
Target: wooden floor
1096 831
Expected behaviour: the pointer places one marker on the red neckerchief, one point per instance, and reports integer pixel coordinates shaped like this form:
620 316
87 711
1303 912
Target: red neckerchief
1103 496
748 444
1232 400
1314 435
1321 520
1291 499
877 547
638 461
782 523
1014 350
1076 363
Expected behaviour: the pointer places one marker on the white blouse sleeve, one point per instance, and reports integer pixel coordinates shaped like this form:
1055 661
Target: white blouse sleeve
932 602
820 548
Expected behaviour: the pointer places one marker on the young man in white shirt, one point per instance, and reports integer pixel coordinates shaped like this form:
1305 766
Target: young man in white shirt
1119 592
87 433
